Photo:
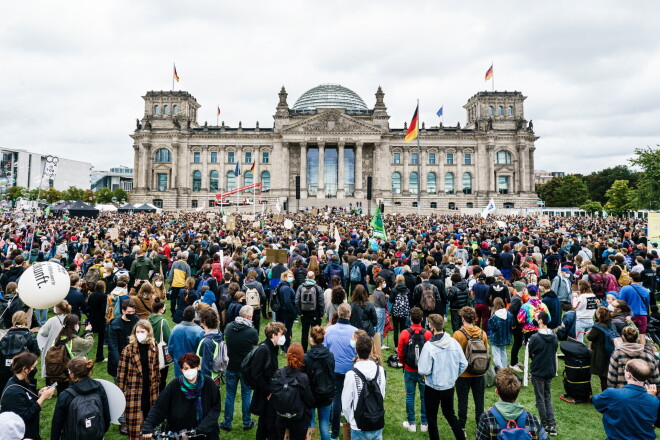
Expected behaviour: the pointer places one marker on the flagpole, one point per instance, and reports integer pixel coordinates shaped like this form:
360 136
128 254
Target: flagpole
419 161
173 70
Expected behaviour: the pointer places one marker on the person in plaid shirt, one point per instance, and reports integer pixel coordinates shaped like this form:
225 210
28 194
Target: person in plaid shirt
508 386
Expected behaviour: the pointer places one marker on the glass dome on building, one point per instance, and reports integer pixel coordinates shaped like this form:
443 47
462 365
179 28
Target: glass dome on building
330 96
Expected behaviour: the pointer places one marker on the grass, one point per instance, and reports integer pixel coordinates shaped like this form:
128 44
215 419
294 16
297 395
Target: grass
573 421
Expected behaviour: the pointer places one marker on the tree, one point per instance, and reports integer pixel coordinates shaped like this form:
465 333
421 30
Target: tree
89 196
73 193
14 192
599 182
592 207
104 195
647 194
564 191
619 198
119 194
51 195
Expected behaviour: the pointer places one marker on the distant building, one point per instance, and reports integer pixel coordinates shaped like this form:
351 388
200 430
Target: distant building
542 176
121 177
26 169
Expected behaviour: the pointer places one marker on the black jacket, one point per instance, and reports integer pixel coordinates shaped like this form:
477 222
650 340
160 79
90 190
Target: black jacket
364 317
542 352
305 389
417 297
318 357
458 295
96 306
181 414
240 340
85 386
320 302
264 366
117 341
77 302
19 397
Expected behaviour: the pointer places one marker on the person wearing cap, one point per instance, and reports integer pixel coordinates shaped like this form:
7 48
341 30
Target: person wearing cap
514 308
561 285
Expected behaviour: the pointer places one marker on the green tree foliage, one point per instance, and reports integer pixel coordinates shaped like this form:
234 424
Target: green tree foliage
89 196
564 191
104 195
73 193
51 195
592 207
619 198
599 182
647 193
14 192
120 195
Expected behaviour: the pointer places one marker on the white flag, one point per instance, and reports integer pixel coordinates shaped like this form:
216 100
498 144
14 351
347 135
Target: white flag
490 208
277 205
337 237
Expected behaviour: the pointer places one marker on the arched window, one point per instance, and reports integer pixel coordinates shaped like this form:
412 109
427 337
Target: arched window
231 180
163 155
500 111
166 110
467 183
490 110
396 183
414 183
509 111
213 181
248 178
503 157
156 110
175 110
430 183
449 183
265 181
197 181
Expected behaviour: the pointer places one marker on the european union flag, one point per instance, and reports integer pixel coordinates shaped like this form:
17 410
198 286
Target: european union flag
237 171
439 112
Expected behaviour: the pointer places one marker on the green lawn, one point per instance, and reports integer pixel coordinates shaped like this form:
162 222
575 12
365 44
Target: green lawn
573 421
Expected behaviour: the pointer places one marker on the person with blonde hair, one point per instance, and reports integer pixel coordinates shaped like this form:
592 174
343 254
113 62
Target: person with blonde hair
144 299
18 338
138 376
51 330
74 344
82 384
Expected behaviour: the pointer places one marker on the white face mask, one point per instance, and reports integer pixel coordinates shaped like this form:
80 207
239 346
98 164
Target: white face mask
190 374
158 283
77 328
281 340
352 343
141 337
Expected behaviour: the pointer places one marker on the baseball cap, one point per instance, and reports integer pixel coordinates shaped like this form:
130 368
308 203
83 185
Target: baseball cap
519 286
565 269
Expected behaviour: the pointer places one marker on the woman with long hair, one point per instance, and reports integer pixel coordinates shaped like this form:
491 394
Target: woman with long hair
187 296
97 304
51 330
138 376
159 287
363 313
298 423
80 376
337 298
144 299
75 345
327 293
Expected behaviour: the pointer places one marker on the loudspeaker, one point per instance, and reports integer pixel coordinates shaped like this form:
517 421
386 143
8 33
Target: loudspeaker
382 208
297 187
368 187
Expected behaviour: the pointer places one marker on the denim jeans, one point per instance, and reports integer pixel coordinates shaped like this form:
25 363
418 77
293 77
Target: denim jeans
499 356
411 380
380 314
41 315
233 378
336 404
544 400
324 421
367 435
583 325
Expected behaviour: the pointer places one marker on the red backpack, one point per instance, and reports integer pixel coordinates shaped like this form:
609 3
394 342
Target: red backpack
216 271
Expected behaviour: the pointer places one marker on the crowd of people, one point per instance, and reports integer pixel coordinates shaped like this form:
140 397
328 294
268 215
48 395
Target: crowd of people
454 292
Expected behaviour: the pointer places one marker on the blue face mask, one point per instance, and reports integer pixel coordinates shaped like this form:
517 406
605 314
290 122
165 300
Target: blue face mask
290 279
353 343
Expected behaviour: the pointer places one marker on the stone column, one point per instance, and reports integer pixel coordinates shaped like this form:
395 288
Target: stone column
175 167
239 157
257 165
405 187
358 170
440 178
222 158
320 194
205 168
341 192
490 160
423 157
530 151
285 187
136 166
519 169
458 178
149 165
303 170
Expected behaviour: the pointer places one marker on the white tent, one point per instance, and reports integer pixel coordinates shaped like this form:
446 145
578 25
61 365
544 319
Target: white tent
105 208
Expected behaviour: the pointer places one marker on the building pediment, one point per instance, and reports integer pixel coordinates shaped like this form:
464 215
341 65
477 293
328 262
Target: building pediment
332 121
165 166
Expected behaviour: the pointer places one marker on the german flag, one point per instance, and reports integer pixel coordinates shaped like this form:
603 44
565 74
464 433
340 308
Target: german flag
413 130
176 77
252 167
218 110
489 73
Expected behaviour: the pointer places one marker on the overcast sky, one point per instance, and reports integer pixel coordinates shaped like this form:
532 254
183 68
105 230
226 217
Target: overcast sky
73 72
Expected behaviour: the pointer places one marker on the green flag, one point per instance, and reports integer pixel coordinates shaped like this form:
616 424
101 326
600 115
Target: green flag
48 211
377 224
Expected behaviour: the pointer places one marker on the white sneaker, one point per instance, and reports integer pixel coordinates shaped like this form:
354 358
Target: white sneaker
516 368
399 364
409 427
424 428
384 347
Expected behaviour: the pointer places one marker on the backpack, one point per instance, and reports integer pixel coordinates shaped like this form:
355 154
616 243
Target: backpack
322 383
275 300
92 276
286 395
401 308
513 429
9 306
413 349
610 335
308 298
356 274
415 266
624 279
225 299
57 360
246 367
34 253
476 354
216 271
598 284
428 298
204 282
85 418
369 412
220 358
336 271
12 344
252 298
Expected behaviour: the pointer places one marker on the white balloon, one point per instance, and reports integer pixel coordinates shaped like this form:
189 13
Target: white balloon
116 400
43 285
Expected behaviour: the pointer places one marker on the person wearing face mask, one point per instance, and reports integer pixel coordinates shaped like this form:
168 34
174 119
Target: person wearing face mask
287 313
138 376
161 333
20 397
119 330
264 366
82 384
190 402
75 345
159 287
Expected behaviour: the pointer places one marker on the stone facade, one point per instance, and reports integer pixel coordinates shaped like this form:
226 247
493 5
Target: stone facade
180 164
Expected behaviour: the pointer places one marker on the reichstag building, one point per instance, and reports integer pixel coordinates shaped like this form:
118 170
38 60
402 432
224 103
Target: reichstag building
337 148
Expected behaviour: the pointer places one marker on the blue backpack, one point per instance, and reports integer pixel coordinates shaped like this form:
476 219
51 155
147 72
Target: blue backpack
610 335
513 429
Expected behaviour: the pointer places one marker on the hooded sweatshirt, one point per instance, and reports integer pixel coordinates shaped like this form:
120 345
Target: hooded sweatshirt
527 312
627 351
543 353
500 327
206 350
353 386
319 358
442 361
13 426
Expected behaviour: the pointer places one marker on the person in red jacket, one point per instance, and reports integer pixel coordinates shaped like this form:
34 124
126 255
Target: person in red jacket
409 348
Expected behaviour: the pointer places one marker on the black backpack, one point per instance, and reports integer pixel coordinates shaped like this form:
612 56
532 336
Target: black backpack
413 349
275 300
12 344
369 412
246 367
322 382
286 395
9 306
85 419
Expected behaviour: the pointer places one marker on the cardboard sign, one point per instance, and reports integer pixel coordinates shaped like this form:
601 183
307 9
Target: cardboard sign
323 228
114 233
315 211
230 225
277 256
256 225
278 218
210 215
544 221
249 218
